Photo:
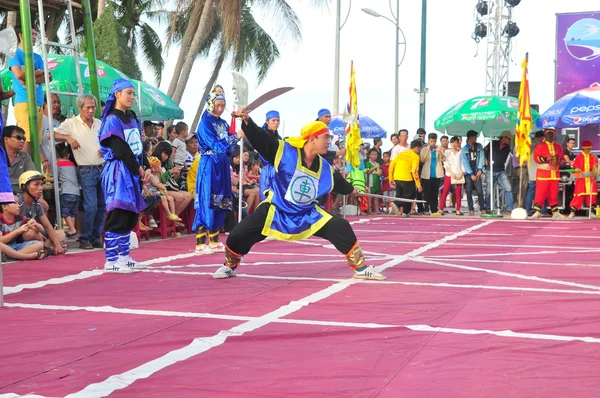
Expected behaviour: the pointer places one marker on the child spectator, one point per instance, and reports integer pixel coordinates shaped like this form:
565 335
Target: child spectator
386 188
154 186
68 187
372 174
15 229
181 130
254 171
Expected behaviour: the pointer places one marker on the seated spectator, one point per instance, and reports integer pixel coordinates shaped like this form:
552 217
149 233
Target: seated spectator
191 176
191 146
17 232
17 71
169 177
31 183
69 188
181 131
249 190
13 138
153 185
254 171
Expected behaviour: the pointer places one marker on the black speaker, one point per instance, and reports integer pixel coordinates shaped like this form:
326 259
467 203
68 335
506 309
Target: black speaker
513 89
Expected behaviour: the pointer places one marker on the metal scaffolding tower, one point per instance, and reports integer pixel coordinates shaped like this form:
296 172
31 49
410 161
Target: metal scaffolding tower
498 48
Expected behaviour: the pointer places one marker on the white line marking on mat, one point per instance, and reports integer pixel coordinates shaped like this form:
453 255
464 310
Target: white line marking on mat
53 281
509 274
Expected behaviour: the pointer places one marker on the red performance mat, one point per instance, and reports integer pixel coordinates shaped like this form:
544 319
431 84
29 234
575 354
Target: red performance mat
471 308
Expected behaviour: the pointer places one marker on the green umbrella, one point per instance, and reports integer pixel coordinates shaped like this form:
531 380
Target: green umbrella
155 104
488 114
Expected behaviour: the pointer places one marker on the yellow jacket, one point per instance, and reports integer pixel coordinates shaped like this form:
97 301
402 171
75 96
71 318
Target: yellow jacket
191 176
405 167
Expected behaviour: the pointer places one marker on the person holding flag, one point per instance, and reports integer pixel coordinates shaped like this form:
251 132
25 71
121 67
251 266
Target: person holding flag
291 211
522 140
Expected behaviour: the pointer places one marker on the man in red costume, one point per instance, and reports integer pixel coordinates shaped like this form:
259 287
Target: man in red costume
586 186
548 155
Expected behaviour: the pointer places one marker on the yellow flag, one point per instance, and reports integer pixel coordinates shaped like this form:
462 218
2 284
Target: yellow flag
353 139
524 119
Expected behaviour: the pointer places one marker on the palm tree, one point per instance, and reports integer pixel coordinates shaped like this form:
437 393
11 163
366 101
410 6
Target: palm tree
229 12
129 13
253 47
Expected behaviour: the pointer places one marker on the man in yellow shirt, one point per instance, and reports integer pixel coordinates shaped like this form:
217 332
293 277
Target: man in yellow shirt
404 176
191 176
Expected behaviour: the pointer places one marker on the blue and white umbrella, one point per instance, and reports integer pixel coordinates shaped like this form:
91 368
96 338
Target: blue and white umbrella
368 127
576 109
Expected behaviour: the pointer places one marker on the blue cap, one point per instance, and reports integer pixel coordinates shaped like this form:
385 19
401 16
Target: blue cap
272 115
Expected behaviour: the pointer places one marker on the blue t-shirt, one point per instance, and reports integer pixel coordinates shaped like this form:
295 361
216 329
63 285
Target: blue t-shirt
433 164
19 89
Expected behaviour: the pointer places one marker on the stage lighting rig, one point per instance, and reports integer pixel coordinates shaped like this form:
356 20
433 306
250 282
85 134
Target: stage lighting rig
482 8
511 29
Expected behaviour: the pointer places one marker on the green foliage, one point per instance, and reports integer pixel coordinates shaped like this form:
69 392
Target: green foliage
111 45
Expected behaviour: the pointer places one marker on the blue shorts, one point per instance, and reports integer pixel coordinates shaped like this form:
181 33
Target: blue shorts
69 204
21 245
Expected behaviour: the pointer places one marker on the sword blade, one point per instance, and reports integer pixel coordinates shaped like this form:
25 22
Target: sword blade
390 198
268 96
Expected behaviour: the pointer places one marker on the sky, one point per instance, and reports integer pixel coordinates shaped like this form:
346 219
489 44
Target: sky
455 67
455 63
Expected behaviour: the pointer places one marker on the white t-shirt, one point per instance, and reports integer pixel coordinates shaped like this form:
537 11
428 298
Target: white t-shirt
453 161
88 154
180 153
396 150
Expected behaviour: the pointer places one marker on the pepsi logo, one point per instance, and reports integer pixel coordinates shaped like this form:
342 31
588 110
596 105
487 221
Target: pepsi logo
577 119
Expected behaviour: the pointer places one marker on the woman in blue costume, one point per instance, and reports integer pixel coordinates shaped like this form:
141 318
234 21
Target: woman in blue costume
213 195
291 211
121 147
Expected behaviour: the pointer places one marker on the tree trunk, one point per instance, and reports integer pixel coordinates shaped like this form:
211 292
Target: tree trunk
50 22
11 19
101 5
190 32
209 86
186 70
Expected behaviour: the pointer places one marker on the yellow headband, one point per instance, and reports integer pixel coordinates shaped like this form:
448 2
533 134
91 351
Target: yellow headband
312 129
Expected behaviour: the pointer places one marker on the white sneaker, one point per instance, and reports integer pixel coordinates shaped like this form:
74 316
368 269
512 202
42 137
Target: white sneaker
217 247
571 215
558 216
130 263
152 223
203 250
224 272
117 267
537 214
369 273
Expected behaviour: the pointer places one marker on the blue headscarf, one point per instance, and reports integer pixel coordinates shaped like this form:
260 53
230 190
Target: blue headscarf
324 112
215 95
118 85
270 115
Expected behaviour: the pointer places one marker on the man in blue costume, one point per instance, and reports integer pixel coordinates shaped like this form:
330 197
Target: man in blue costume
213 195
121 147
268 172
291 211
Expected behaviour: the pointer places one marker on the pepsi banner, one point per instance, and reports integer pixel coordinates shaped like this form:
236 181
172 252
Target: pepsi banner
577 52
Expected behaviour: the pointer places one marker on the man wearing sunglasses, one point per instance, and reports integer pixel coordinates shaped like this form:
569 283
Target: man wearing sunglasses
19 160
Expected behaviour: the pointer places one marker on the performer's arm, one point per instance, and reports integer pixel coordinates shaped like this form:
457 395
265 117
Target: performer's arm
265 144
122 151
340 185
415 172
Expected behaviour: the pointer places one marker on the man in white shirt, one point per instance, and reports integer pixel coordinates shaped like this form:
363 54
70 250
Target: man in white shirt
81 133
402 144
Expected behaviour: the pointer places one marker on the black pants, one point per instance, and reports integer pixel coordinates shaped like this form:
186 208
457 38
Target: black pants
121 221
249 232
405 190
431 188
476 186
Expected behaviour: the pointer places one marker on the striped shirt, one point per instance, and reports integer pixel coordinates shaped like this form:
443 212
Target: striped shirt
7 227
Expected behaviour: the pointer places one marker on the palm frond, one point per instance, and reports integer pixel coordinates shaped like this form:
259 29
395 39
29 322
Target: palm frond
151 48
286 20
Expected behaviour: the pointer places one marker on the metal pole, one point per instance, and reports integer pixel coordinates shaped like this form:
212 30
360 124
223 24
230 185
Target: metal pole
336 73
422 89
241 177
58 220
396 67
30 84
91 53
